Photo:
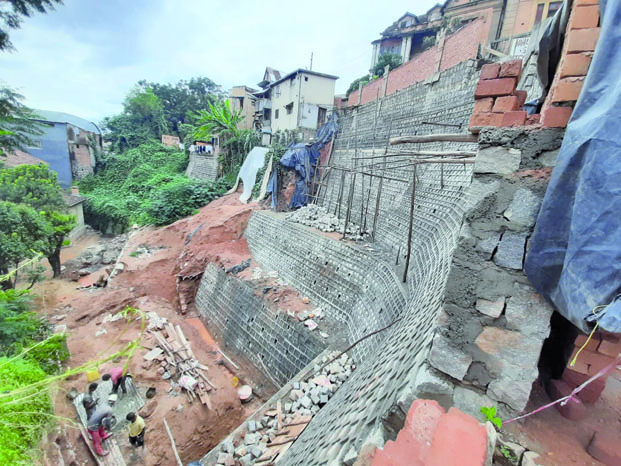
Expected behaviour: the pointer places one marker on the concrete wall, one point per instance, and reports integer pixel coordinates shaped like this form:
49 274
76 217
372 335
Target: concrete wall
80 228
269 338
240 99
203 167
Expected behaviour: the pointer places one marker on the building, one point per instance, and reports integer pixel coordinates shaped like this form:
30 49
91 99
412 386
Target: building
68 145
242 99
509 23
300 100
75 207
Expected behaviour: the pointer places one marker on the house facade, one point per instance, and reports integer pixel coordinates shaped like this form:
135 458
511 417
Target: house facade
68 145
508 24
242 99
300 100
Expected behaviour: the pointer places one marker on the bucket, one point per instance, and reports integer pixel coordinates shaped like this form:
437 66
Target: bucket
92 375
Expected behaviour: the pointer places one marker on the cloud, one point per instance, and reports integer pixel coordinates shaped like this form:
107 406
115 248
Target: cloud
84 57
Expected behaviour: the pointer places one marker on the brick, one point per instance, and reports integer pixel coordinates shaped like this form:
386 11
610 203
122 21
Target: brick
610 346
593 344
495 87
533 119
606 448
585 16
505 104
483 105
590 393
574 409
582 40
586 2
567 90
490 71
576 64
556 117
511 69
521 96
479 120
590 363
517 118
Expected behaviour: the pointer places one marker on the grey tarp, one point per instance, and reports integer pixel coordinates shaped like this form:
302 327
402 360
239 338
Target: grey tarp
575 253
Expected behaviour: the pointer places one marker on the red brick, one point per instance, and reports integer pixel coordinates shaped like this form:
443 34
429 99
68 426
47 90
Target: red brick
556 117
490 71
593 344
606 448
576 64
610 345
574 409
586 2
511 69
585 16
505 104
590 363
567 90
521 95
483 105
514 118
495 87
478 120
582 40
590 393
533 119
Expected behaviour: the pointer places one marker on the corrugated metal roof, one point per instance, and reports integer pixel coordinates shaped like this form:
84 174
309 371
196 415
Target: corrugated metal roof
61 117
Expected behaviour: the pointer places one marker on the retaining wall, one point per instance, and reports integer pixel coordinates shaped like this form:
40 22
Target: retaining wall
203 167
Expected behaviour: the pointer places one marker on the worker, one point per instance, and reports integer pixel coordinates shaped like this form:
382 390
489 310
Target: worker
88 401
118 375
100 420
136 430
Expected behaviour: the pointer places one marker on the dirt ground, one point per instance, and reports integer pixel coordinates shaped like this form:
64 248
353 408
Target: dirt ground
162 280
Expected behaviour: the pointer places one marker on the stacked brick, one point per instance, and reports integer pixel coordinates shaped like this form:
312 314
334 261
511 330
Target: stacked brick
497 102
581 39
601 351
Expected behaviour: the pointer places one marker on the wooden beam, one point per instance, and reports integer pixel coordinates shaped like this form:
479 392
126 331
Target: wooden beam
452 137
172 441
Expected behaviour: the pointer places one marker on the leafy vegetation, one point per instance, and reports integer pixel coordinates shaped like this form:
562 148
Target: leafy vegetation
490 415
366 79
17 126
11 16
393 60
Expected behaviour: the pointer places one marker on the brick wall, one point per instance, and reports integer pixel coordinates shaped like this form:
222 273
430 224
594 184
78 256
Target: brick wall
203 167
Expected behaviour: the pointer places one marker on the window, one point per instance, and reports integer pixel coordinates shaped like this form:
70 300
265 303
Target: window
553 8
546 9
306 78
539 14
289 108
321 116
276 114
277 91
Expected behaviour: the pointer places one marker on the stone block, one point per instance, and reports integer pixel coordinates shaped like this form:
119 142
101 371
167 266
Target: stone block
517 118
490 308
576 64
585 16
606 448
548 158
530 458
574 409
497 160
480 120
487 246
483 105
523 210
470 401
495 87
429 385
448 359
478 192
510 253
510 69
567 90
556 117
582 40
490 71
528 312
252 427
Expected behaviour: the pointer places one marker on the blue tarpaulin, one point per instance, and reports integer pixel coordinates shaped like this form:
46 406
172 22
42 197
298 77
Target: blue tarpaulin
575 254
302 158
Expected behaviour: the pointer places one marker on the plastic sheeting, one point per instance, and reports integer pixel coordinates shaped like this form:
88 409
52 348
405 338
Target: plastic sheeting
302 158
575 254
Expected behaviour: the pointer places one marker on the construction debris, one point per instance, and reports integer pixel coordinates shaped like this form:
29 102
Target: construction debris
318 217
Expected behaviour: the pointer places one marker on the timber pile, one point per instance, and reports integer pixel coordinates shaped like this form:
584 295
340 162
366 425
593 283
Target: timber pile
177 361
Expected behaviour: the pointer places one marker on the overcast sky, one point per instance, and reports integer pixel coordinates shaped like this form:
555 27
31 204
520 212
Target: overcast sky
84 57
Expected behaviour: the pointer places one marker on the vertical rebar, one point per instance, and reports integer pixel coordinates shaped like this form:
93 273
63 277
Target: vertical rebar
407 258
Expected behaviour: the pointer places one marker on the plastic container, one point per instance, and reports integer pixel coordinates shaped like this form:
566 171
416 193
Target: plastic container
92 375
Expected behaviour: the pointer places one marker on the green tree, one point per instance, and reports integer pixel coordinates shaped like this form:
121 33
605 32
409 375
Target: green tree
366 79
391 59
12 13
37 186
23 233
141 121
17 124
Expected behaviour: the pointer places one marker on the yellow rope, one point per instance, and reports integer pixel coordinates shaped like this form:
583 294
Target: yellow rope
594 311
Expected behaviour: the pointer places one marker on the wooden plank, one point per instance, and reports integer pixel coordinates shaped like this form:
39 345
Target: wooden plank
451 137
228 359
172 441
89 445
278 415
153 354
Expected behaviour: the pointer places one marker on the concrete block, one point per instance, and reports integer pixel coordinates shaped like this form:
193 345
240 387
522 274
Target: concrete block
448 359
510 253
497 160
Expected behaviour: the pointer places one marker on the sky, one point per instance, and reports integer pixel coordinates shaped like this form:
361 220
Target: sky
84 57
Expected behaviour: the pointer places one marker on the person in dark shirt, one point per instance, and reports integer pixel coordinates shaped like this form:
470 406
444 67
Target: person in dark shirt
88 401
100 420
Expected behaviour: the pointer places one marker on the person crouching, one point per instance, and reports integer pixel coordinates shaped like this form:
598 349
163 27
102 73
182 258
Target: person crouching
100 420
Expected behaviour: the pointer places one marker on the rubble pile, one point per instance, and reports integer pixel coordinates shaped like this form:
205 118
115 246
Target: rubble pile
269 435
318 217
95 257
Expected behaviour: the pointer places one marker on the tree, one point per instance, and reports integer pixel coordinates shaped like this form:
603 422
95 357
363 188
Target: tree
37 186
141 121
391 59
12 13
23 233
17 124
181 100
366 79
